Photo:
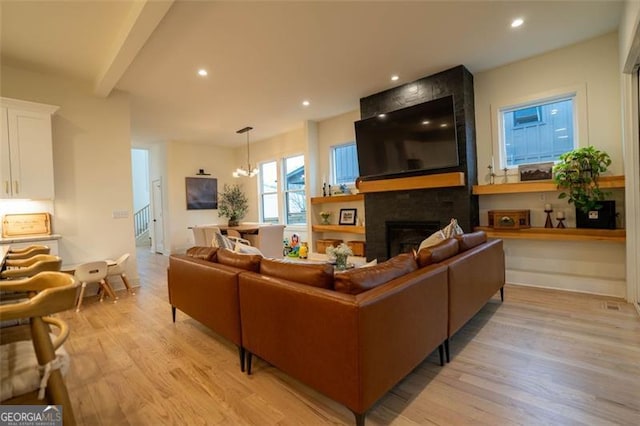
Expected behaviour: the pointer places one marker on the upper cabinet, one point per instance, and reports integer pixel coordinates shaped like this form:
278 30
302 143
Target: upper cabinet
26 153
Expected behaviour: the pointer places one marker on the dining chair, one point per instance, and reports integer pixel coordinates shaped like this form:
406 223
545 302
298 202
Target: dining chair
23 268
93 272
34 369
269 240
27 252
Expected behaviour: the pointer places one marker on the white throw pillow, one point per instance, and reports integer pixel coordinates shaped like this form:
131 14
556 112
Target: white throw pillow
245 249
452 229
223 242
432 240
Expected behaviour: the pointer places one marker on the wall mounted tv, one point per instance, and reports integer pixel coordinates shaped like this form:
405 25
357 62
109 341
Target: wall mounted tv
412 140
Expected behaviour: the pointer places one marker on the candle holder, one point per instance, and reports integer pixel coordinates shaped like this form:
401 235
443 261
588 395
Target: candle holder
549 222
506 178
492 176
561 222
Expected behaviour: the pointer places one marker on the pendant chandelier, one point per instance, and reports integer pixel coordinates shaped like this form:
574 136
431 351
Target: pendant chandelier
249 171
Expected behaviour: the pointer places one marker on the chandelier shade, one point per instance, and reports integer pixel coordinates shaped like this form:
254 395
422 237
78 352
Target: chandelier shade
249 171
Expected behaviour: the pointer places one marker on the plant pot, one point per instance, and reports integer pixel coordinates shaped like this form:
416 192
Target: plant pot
602 218
233 222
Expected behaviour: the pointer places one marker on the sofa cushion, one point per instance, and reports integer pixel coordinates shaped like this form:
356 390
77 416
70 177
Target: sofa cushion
204 253
437 253
221 241
469 241
357 280
316 275
250 262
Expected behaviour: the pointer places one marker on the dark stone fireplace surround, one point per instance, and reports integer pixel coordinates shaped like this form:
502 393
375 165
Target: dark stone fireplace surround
426 205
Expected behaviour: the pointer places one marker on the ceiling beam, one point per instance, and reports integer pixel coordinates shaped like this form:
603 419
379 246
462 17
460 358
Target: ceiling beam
142 20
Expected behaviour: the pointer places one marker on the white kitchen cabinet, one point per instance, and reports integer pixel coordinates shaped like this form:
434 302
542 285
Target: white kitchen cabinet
26 152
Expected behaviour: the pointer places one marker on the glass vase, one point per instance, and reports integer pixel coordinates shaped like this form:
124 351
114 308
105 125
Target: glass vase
341 262
325 220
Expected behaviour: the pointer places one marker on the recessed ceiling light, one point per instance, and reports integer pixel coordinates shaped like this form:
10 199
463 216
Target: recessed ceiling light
394 78
306 103
382 115
517 22
202 72
443 125
425 122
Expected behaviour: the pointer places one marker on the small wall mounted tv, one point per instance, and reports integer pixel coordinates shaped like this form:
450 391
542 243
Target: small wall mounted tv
410 140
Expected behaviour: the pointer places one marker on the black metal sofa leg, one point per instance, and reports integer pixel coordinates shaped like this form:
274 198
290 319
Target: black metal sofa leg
446 350
360 418
173 313
441 353
241 353
502 294
249 360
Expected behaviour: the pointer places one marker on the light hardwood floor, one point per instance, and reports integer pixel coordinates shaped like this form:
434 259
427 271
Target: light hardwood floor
541 357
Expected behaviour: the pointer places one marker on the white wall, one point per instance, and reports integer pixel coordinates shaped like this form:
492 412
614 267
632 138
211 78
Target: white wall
594 267
140 178
92 165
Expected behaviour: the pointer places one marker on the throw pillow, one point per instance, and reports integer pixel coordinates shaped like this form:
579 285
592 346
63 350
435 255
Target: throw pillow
452 229
247 249
205 253
250 262
432 240
316 275
223 242
357 280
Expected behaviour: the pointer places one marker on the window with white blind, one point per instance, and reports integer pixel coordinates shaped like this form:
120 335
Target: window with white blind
344 164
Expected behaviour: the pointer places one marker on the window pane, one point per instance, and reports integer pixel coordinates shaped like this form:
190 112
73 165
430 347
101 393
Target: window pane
538 133
268 177
345 163
270 208
294 172
296 207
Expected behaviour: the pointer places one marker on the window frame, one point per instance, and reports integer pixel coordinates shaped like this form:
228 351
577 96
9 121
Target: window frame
261 193
285 192
580 119
332 165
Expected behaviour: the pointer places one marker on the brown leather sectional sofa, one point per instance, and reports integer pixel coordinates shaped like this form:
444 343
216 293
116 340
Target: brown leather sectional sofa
352 335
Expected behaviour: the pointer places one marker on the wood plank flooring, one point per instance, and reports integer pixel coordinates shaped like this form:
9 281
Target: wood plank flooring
541 357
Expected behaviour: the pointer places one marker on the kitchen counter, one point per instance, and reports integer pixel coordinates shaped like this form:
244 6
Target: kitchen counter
29 239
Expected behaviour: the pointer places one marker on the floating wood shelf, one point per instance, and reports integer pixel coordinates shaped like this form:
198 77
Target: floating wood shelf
347 229
441 180
539 186
566 234
337 199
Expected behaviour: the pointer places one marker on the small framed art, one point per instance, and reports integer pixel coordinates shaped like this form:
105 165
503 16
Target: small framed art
348 216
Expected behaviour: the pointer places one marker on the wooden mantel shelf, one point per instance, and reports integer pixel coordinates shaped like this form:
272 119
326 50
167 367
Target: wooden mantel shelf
566 234
347 229
337 199
539 186
440 180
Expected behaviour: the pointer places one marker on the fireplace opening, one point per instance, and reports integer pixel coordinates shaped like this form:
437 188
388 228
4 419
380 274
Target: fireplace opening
403 237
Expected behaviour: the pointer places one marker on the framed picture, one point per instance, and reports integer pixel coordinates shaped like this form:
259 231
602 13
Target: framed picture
202 193
348 216
541 171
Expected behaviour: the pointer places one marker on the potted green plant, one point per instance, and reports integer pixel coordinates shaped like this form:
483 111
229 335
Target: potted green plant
576 175
232 204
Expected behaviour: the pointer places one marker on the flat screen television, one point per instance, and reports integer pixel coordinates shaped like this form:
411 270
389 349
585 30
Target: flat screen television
411 140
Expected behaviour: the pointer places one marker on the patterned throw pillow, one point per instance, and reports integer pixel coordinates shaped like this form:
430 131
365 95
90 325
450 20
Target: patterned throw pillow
223 242
452 229
245 249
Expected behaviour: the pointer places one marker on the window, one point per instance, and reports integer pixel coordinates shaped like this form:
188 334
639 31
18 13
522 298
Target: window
291 194
295 203
537 132
269 191
344 163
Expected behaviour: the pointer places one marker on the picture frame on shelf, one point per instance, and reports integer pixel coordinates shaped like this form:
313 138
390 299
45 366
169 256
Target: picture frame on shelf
348 216
531 172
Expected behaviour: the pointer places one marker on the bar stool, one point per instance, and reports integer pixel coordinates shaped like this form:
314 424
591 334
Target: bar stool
118 268
27 252
93 272
23 268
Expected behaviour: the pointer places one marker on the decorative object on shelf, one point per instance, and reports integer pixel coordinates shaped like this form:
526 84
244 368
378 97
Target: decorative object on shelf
202 193
540 171
232 204
560 217
329 191
344 189
21 224
325 218
492 176
548 210
304 250
249 171
509 219
324 189
506 177
358 247
340 253
323 244
348 216
294 246
577 175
